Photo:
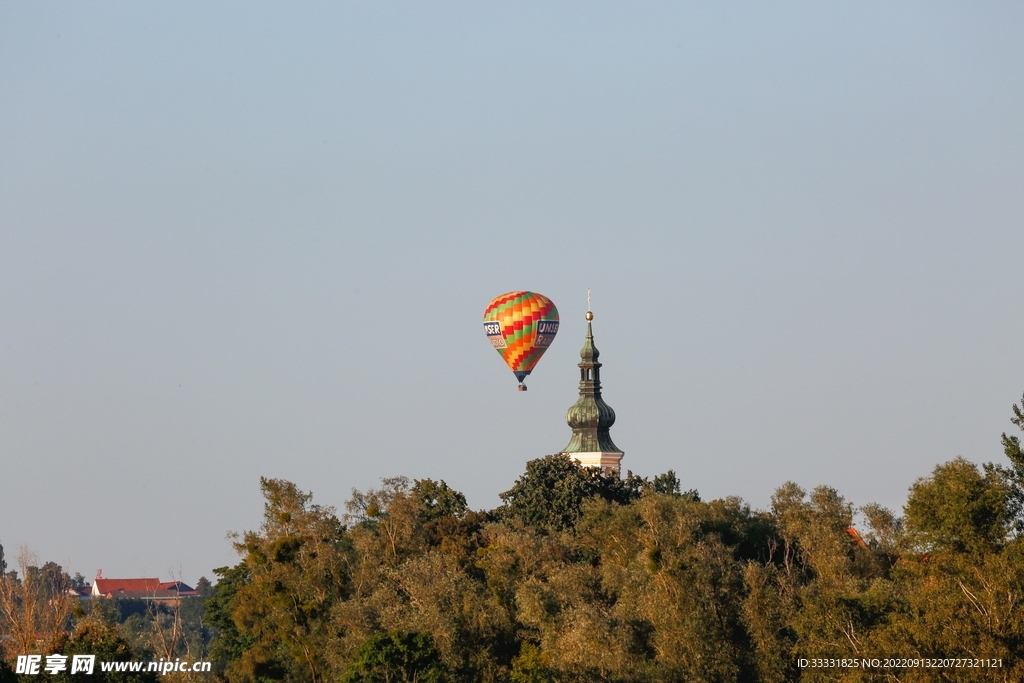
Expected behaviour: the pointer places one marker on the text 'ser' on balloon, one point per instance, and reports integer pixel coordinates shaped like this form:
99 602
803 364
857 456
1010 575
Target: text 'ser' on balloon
521 326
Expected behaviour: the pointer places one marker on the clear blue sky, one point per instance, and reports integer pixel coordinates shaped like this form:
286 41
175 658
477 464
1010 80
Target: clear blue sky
257 239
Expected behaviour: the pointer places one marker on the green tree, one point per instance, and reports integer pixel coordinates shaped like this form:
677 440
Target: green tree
529 667
819 596
814 532
295 569
669 484
885 529
397 658
646 591
229 643
1015 454
959 509
393 514
415 549
551 492
579 577
957 605
769 614
437 499
195 629
93 636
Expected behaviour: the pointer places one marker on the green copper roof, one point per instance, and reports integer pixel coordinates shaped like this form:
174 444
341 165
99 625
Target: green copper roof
590 417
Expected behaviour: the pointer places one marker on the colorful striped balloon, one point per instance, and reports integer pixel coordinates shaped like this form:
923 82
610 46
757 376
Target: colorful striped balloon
521 326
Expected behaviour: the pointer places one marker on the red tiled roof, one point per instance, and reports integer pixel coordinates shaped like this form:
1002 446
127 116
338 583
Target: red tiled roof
179 586
105 586
856 539
147 595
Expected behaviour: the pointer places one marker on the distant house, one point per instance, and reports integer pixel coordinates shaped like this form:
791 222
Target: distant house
83 593
141 589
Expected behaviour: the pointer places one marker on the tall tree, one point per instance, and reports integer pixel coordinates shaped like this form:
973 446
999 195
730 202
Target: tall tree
295 571
1015 454
35 608
551 492
959 509
229 642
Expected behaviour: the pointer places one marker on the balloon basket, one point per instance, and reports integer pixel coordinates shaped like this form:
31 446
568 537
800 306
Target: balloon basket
522 387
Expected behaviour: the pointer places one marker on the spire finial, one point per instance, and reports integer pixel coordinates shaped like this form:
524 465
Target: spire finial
590 316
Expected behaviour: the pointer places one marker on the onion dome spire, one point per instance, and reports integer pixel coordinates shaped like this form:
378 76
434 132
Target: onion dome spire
590 417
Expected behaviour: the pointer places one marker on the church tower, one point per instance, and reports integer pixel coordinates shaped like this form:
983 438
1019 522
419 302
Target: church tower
590 417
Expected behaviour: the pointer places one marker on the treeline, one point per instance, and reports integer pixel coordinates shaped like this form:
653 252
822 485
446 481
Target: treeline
579 577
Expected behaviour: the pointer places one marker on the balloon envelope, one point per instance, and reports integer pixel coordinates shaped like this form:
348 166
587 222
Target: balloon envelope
521 326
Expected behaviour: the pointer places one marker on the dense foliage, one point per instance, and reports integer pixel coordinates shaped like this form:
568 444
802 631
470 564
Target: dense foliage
580 577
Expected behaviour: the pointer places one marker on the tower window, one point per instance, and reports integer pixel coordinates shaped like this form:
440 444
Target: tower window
590 373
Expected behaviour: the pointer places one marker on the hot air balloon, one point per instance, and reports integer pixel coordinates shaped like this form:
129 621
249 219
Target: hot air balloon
521 326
